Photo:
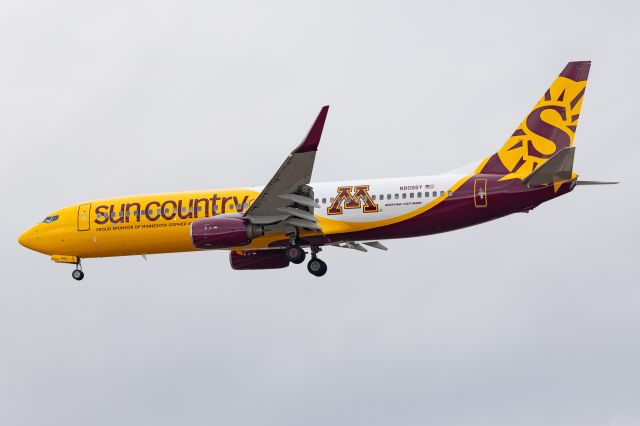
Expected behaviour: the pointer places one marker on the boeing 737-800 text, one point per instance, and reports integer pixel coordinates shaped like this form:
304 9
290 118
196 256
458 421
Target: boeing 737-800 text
270 227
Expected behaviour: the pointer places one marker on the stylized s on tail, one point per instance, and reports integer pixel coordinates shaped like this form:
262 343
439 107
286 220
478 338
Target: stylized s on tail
548 128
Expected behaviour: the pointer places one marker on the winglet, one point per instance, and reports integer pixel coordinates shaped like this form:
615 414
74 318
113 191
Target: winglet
310 143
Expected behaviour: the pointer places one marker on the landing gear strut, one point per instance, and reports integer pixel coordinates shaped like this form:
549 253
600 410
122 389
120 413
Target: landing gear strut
77 273
316 266
295 254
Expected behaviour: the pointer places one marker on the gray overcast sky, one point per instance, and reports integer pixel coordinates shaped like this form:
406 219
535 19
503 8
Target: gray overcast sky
529 320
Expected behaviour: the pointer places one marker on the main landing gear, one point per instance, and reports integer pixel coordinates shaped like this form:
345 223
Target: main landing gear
316 266
295 254
77 273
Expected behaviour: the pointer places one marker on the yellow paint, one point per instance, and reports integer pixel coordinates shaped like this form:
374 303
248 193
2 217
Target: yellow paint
560 107
69 236
77 234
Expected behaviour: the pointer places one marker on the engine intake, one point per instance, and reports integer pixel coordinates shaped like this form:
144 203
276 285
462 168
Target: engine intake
222 232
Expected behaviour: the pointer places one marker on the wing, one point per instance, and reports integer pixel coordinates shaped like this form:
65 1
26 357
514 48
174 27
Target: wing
287 200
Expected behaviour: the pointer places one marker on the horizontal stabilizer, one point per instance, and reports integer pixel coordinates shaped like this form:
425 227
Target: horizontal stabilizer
594 182
555 169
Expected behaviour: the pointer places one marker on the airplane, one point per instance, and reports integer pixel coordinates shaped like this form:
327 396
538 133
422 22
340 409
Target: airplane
273 226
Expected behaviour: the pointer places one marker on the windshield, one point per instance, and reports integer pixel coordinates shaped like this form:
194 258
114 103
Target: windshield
50 219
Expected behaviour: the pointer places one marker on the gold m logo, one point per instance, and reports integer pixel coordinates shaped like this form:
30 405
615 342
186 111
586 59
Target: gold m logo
352 198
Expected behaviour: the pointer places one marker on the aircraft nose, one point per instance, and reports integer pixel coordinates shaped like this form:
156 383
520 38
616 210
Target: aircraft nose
29 239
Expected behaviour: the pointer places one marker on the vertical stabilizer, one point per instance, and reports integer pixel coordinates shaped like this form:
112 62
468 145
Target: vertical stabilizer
547 129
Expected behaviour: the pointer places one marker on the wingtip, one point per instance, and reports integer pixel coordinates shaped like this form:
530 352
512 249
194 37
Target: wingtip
312 140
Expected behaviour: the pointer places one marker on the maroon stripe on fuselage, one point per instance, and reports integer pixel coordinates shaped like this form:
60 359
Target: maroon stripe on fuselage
455 212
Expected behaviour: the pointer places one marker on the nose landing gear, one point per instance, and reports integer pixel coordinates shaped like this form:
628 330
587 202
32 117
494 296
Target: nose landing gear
77 273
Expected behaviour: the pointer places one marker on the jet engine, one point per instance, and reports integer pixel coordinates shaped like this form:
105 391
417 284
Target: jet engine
222 232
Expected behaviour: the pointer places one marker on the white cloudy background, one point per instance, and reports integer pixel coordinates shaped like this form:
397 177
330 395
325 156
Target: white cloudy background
532 319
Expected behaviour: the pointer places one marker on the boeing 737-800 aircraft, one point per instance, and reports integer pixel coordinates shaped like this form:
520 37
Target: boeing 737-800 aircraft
270 227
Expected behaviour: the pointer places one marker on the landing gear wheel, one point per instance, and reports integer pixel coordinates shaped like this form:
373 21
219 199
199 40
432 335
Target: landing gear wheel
295 254
317 267
77 274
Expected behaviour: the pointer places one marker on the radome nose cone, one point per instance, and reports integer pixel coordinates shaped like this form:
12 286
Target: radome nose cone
27 240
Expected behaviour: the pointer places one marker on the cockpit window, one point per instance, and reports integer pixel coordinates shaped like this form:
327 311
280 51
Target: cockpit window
50 219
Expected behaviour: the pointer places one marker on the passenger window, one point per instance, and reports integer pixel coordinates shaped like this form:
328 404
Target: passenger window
121 213
396 196
435 194
317 201
332 199
404 195
199 208
442 193
419 194
373 197
230 206
450 193
411 195
215 207
324 201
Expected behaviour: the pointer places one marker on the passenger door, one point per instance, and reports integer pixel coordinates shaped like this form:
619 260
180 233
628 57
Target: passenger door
84 217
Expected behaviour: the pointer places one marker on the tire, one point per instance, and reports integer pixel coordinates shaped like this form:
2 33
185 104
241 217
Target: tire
295 254
77 275
317 267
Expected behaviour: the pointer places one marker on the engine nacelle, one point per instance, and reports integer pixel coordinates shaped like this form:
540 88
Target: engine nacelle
259 259
221 232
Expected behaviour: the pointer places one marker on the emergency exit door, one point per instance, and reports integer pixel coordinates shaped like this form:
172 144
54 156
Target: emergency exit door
480 192
84 219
